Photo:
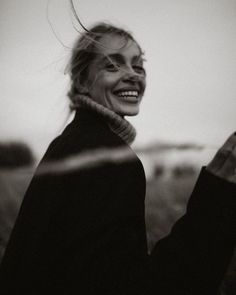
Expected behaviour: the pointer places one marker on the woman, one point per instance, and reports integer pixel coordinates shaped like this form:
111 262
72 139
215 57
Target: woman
83 231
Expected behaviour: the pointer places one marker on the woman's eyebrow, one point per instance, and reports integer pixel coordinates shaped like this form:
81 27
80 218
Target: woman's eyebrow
138 58
117 57
114 57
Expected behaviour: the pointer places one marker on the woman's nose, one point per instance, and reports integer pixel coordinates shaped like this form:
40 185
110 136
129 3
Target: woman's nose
131 75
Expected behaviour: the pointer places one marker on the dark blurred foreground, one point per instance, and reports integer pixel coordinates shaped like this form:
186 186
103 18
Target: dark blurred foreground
16 171
171 174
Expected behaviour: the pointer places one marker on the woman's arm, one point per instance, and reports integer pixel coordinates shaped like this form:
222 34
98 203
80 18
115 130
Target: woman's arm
194 257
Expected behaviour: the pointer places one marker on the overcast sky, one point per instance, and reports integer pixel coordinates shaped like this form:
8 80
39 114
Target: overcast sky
190 48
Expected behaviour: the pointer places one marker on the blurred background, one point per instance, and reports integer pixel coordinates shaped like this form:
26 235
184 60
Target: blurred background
188 110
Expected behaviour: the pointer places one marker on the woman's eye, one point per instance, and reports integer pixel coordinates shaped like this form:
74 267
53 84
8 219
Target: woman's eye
139 69
112 67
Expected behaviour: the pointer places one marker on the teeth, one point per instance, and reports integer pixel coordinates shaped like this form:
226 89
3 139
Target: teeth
128 93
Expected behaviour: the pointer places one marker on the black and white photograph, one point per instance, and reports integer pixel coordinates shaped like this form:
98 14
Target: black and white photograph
118 147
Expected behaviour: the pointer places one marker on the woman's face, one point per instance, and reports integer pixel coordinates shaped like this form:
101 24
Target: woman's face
116 77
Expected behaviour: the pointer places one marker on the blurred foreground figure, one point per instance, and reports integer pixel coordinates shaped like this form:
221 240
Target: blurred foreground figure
82 231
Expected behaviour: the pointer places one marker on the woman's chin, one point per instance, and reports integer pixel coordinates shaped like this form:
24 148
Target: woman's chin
129 111
132 113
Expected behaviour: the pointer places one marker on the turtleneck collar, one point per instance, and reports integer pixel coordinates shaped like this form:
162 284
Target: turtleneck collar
117 124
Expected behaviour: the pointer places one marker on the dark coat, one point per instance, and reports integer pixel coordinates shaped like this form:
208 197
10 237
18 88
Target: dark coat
83 231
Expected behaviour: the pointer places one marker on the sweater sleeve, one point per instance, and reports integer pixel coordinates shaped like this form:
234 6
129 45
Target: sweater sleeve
195 255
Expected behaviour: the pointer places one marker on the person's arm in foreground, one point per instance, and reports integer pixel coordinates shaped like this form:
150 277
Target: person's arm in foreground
195 256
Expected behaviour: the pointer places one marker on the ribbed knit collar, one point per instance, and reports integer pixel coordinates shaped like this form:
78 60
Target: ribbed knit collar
117 124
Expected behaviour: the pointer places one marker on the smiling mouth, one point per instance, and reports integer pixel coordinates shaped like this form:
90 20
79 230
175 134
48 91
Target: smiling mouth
133 94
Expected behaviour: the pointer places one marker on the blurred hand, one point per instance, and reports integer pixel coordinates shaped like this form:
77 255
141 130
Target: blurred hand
224 162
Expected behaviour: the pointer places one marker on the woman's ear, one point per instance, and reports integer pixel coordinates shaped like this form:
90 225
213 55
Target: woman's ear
82 87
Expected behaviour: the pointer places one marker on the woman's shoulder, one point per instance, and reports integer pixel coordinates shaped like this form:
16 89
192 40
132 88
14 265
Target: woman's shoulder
85 133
